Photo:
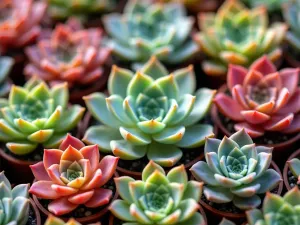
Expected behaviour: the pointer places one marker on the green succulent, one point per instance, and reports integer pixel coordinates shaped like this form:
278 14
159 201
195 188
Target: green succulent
237 35
14 203
294 165
277 210
62 9
158 198
151 113
56 221
6 64
35 114
226 222
146 29
236 170
291 13
271 5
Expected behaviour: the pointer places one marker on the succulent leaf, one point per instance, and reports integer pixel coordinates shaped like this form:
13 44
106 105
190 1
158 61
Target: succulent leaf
6 64
235 170
294 166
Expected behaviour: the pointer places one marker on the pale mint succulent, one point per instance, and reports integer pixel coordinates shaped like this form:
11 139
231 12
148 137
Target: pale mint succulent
158 198
236 171
146 29
277 210
226 222
151 113
6 64
294 165
272 5
14 202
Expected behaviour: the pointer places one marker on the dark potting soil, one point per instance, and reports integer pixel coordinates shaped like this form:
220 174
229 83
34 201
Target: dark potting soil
83 211
269 138
292 179
117 221
32 218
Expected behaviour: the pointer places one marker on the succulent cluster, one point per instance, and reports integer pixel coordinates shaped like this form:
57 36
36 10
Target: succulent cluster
277 210
6 64
262 99
294 166
291 12
35 114
150 29
72 175
150 113
70 54
56 221
236 171
61 9
14 207
271 5
158 198
16 30
237 35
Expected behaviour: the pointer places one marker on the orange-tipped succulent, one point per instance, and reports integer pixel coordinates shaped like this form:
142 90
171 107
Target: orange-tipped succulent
72 175
263 100
19 22
70 53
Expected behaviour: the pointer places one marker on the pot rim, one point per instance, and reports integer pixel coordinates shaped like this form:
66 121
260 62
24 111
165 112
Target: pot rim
286 169
92 218
36 211
215 116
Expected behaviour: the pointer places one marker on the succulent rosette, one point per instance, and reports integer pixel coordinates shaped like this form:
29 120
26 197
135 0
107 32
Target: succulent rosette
294 166
37 115
277 210
61 9
237 35
226 222
70 54
56 221
19 22
263 99
236 171
271 5
291 12
6 64
151 113
14 207
158 198
151 29
72 175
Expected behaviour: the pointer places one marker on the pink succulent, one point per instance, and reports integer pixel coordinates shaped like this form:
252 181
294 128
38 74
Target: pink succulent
19 22
69 53
72 177
262 98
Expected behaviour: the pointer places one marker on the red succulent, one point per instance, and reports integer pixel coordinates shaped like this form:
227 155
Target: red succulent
71 177
70 53
19 22
262 98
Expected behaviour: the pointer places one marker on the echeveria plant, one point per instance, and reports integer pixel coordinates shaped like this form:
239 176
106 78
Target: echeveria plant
56 221
74 55
62 9
6 64
36 114
277 210
226 222
291 12
151 113
150 29
236 171
237 35
14 207
294 166
263 100
19 22
271 5
72 175
158 198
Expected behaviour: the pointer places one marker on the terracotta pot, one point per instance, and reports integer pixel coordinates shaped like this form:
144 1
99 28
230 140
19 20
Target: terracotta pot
112 218
36 212
85 220
282 147
239 218
137 175
19 167
296 154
